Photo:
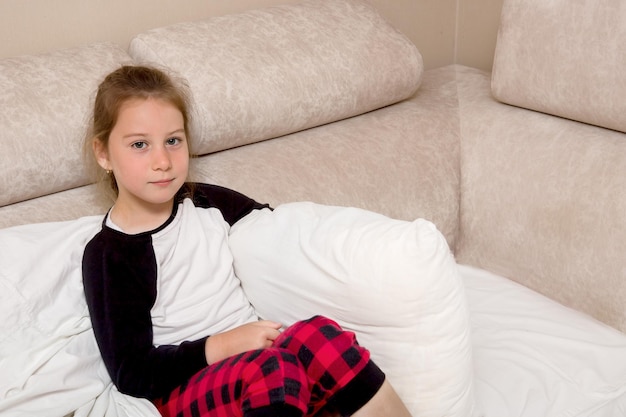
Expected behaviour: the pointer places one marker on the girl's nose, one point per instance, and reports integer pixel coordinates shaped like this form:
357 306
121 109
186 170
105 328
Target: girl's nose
161 159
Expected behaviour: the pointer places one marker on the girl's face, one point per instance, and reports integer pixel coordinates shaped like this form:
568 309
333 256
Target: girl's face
148 154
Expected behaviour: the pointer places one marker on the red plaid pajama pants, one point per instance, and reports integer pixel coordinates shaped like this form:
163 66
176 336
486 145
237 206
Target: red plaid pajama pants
312 365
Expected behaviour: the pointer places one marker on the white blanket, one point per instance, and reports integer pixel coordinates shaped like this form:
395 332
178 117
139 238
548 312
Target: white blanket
49 361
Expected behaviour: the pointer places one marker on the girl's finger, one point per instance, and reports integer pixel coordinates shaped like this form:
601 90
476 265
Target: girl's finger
272 324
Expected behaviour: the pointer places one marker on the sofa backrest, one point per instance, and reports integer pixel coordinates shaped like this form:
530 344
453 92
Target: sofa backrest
565 58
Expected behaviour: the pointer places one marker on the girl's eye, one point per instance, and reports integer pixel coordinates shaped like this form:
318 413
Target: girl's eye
173 141
139 145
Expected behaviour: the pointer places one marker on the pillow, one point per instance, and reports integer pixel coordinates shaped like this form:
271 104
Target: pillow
45 101
269 72
394 283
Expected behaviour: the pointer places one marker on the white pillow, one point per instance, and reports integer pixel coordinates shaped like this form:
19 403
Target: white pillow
394 283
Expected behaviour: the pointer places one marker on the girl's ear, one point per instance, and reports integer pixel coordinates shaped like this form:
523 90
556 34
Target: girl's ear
101 154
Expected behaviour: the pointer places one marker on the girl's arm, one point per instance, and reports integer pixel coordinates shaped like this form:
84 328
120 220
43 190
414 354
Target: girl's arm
119 277
256 335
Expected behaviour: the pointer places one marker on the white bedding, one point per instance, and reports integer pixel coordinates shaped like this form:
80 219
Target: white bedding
536 358
49 361
532 357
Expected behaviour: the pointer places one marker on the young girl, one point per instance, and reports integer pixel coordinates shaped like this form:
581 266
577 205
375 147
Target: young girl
170 317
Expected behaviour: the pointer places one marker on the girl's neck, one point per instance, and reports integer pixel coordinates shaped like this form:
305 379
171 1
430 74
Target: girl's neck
134 220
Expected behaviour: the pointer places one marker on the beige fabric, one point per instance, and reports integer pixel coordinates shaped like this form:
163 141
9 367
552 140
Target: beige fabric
270 72
45 102
565 58
65 205
543 201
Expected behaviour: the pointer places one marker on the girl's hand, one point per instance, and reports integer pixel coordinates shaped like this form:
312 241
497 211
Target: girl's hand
249 336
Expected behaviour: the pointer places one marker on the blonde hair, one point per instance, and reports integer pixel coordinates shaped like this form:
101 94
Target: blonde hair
127 83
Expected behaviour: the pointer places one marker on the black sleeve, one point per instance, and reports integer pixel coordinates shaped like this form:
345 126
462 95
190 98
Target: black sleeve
233 205
119 278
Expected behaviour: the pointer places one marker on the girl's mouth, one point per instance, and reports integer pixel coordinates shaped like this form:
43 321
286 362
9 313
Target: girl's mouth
163 182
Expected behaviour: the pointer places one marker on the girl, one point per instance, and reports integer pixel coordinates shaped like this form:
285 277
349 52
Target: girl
170 318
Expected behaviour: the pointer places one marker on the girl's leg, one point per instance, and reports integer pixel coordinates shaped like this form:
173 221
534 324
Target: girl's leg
260 383
341 375
384 403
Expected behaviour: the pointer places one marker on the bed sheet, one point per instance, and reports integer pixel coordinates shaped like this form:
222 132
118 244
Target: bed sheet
534 357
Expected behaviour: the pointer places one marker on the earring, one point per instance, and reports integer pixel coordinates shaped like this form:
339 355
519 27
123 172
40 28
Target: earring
108 171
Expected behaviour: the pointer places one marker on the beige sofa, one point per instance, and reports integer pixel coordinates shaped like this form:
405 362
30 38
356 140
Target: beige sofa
522 170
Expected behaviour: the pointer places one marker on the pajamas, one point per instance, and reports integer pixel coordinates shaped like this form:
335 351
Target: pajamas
312 365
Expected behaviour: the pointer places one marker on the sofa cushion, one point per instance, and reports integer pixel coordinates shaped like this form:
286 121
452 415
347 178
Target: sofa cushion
45 101
56 207
269 72
573 68
394 283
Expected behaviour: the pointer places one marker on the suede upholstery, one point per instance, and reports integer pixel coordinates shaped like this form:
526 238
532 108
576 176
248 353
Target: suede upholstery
45 102
564 58
270 72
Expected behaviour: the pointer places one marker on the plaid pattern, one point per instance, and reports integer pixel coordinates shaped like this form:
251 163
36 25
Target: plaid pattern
300 374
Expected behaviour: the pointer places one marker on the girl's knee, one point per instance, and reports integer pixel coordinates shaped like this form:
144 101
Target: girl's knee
274 376
314 333
333 360
323 322
272 362
324 348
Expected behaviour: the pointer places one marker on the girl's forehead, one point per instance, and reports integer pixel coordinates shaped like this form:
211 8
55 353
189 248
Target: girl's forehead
148 115
147 107
134 102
